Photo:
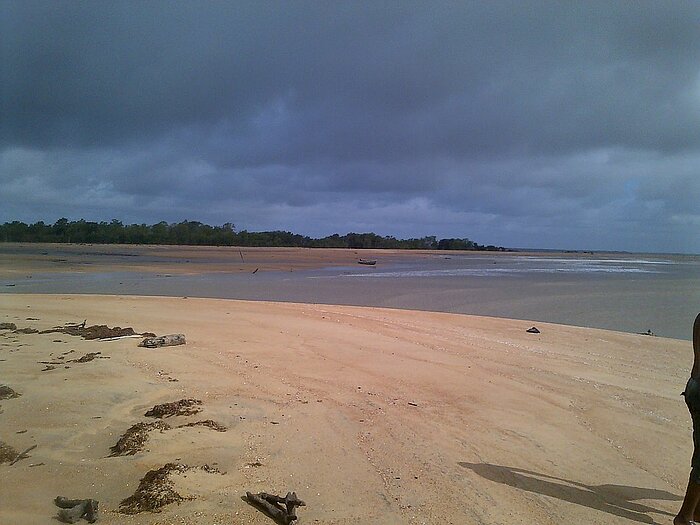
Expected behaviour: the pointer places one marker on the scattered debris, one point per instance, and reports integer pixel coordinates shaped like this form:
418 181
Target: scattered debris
74 509
22 455
273 505
648 332
183 407
26 331
8 326
206 423
7 393
532 330
88 357
101 331
134 439
253 464
163 340
7 453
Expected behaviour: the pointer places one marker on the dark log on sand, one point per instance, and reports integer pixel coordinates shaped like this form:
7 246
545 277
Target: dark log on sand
270 505
22 455
74 509
163 340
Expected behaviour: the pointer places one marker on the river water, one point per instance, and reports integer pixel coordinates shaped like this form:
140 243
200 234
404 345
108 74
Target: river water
625 292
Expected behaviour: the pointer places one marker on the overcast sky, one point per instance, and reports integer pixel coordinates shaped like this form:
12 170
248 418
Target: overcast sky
527 124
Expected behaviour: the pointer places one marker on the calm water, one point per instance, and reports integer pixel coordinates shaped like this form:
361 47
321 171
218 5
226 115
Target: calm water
632 293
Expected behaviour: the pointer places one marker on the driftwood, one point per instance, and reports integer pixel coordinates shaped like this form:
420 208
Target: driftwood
22 455
74 509
26 331
271 505
163 340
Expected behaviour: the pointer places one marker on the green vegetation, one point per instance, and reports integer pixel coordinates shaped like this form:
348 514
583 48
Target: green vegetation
196 233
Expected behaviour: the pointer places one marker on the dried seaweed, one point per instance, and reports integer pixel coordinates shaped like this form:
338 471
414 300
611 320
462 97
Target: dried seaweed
101 331
183 407
206 423
8 326
134 439
156 490
87 357
7 393
7 453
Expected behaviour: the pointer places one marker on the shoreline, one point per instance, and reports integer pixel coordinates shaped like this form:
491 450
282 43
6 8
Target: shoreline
655 293
369 414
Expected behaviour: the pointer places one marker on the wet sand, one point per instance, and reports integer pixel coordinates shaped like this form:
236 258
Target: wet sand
371 415
623 292
21 259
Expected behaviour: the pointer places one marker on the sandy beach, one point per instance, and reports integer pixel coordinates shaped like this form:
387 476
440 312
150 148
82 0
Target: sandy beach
371 415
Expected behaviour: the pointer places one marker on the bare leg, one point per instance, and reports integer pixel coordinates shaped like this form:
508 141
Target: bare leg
690 502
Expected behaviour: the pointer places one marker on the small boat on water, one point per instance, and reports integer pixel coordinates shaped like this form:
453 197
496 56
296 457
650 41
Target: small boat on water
367 262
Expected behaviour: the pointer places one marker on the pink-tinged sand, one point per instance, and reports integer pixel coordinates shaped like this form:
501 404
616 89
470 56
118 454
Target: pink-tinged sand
372 416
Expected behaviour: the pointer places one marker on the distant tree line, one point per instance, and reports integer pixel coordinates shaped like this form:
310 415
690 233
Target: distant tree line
196 233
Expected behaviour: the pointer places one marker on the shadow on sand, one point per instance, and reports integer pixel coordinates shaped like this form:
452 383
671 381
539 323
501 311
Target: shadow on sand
613 499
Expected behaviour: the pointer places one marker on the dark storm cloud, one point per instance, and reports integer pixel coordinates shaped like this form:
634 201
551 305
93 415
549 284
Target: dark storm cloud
500 119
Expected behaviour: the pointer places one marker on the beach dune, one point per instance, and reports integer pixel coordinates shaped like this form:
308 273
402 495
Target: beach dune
371 415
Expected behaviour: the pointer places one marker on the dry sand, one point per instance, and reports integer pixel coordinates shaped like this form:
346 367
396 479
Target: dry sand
372 416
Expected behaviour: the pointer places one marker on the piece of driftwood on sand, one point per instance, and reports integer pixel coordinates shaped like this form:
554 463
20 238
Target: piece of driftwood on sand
270 505
163 340
23 455
74 509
